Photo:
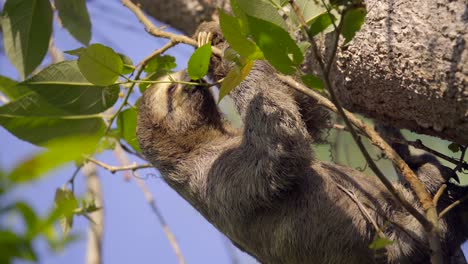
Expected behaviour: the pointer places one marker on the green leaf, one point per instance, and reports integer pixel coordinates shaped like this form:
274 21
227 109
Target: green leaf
279 48
75 19
163 63
320 23
234 78
59 151
313 82
127 64
100 65
10 90
32 119
380 243
126 125
14 246
199 62
260 9
66 202
63 86
454 147
236 38
304 46
310 9
75 52
27 27
352 21
29 216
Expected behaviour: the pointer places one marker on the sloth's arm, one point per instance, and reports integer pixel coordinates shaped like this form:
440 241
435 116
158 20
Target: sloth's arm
274 149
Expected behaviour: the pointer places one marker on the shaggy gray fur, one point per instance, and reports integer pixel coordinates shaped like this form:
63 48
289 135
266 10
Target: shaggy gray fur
261 185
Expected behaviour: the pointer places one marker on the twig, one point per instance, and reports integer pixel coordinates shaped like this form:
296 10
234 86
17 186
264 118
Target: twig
114 169
71 181
96 228
130 151
439 193
363 210
452 205
419 145
164 48
335 106
122 156
155 31
461 162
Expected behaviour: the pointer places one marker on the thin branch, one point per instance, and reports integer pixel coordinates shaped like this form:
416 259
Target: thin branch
336 107
96 228
158 52
452 205
71 181
155 31
113 169
439 193
363 210
123 158
431 221
419 145
459 166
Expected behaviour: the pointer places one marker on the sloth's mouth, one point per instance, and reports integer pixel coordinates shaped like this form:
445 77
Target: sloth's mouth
196 88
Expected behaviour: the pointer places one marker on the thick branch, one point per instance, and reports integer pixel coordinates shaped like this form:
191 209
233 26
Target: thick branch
407 66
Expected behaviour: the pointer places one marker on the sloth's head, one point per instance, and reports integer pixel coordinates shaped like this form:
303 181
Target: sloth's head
177 107
174 118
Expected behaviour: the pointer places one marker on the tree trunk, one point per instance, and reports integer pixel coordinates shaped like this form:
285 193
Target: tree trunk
407 67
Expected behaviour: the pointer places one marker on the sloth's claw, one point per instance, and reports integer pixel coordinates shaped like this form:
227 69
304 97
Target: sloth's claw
204 38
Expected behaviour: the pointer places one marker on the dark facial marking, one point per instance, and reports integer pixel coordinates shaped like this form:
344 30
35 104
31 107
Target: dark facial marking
170 94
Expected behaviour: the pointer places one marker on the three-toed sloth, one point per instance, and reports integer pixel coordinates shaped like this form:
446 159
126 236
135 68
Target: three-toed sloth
261 185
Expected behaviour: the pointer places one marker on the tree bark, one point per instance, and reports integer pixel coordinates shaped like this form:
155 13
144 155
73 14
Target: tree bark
407 67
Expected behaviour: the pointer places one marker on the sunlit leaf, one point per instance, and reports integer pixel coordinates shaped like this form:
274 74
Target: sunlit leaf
100 65
309 9
126 125
127 64
27 27
234 78
10 90
14 246
277 46
32 119
161 63
59 151
313 82
66 201
261 9
75 52
199 62
29 216
320 23
63 86
352 21
380 243
237 39
75 18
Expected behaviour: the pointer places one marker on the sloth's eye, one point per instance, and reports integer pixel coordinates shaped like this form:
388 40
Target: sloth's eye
171 89
170 93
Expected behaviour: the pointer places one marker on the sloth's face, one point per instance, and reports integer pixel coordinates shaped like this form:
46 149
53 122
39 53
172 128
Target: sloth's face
179 107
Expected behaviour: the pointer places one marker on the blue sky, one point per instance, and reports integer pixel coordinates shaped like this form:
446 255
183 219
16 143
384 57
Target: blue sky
132 233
